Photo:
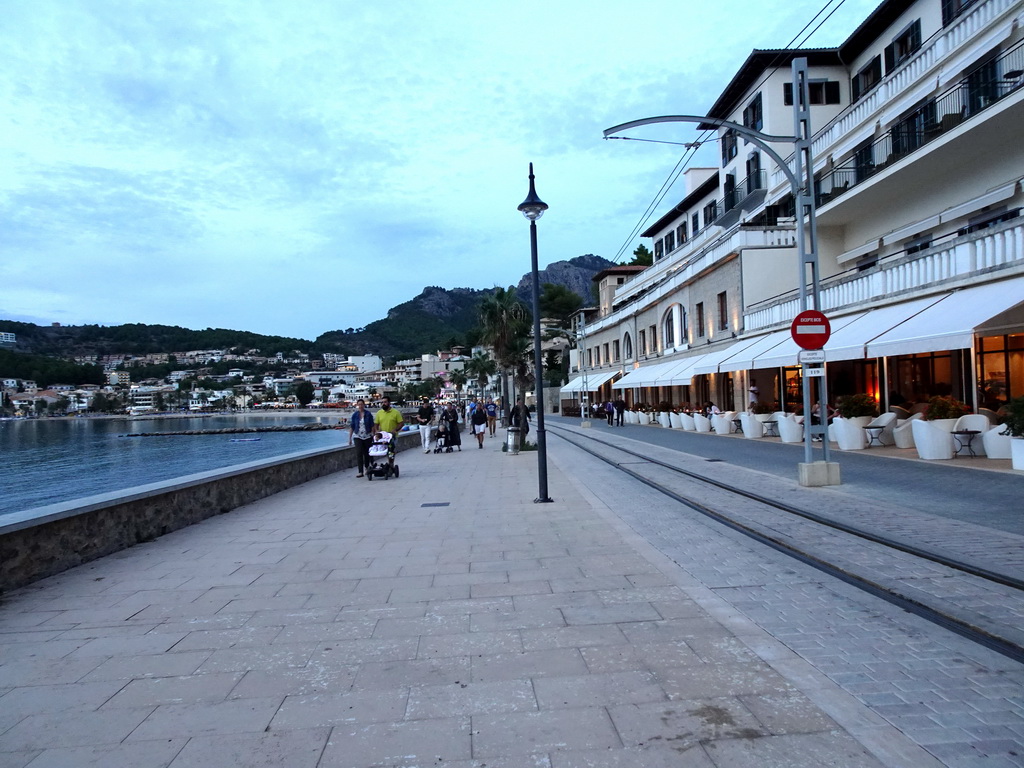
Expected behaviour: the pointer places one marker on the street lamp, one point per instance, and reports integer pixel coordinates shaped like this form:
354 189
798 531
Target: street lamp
533 208
801 180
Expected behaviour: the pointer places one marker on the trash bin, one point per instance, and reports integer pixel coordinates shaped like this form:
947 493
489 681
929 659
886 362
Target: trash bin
512 441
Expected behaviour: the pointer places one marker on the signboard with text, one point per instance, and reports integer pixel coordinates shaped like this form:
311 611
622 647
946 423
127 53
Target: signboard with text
810 329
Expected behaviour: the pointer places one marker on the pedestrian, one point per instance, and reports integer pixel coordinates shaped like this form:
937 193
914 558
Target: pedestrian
360 433
609 412
425 418
521 419
753 393
390 420
450 419
492 416
478 420
620 412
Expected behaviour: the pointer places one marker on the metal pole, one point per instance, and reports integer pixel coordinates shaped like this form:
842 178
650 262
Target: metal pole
582 350
542 446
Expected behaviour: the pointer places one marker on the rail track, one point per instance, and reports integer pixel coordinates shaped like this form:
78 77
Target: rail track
902 572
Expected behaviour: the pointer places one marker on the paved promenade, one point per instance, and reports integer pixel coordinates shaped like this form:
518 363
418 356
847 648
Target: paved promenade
441 619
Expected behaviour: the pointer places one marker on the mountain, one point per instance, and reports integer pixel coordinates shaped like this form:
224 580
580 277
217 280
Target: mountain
436 317
433 320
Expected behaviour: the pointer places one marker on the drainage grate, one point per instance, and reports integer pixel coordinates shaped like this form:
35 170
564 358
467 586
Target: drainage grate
714 459
436 504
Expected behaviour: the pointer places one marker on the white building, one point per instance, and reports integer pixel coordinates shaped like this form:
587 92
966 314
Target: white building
918 167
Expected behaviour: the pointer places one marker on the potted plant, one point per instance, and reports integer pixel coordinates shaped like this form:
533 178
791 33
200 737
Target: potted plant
1013 425
945 410
762 411
857 406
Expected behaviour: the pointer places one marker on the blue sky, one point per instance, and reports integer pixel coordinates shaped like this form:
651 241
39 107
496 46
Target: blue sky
295 168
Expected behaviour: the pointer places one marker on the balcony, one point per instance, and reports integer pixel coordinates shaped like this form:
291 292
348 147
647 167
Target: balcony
963 258
986 86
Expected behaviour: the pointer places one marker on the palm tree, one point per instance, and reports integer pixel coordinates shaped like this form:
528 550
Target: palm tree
503 318
458 379
482 367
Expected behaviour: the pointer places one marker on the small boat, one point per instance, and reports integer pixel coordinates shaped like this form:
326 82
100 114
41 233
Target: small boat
246 439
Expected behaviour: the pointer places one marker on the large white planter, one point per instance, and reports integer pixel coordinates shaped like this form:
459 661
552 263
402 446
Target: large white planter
1017 452
675 420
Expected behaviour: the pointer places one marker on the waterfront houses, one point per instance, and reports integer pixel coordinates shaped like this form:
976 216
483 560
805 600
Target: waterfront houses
917 167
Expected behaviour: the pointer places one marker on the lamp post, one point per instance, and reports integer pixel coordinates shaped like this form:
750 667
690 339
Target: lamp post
802 186
533 208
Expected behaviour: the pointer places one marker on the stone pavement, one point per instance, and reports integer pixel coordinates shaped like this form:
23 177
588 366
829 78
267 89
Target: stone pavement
441 619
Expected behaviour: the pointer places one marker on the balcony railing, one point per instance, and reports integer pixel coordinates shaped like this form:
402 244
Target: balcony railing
1000 247
984 86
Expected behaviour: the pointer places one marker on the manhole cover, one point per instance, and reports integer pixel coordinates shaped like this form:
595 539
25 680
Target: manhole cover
436 504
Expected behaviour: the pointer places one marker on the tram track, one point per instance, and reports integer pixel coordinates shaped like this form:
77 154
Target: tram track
985 609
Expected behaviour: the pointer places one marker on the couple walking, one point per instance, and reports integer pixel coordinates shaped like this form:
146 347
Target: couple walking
364 426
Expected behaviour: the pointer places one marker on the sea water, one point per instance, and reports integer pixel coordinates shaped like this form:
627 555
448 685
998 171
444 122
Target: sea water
46 461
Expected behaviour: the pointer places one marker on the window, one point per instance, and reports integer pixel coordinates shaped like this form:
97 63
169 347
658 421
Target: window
642 339
723 311
700 320
615 351
951 9
818 91
607 358
710 212
909 133
590 358
754 180
730 199
988 219
695 221
681 233
867 78
864 162
668 333
728 146
753 115
627 347
919 243
670 242
653 333
903 46
982 86
659 249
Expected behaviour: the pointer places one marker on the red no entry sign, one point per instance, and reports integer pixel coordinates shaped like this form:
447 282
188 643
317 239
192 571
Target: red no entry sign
810 329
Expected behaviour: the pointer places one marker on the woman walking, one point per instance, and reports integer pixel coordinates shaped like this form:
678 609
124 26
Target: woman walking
360 432
450 418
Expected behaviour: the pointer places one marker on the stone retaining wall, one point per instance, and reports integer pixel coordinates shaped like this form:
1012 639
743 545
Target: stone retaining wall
52 539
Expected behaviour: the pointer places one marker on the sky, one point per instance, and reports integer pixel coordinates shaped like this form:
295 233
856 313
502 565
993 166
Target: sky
296 168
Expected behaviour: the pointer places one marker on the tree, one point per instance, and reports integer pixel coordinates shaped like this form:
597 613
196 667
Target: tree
503 319
305 392
458 379
558 303
642 257
481 367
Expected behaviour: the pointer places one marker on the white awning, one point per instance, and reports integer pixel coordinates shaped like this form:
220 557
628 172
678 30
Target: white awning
712 360
744 359
682 374
786 352
594 381
949 323
645 376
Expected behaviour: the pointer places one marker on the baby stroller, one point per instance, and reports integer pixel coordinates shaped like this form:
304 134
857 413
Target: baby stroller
380 466
442 444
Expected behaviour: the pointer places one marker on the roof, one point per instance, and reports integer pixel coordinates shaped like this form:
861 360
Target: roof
709 186
618 269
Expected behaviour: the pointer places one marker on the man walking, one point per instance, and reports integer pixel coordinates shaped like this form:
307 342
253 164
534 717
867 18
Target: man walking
492 416
388 419
620 411
425 418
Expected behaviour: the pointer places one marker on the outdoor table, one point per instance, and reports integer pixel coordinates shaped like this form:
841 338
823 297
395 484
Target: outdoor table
874 435
737 425
963 439
770 429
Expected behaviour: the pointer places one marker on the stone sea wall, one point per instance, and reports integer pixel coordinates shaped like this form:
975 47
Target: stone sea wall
48 540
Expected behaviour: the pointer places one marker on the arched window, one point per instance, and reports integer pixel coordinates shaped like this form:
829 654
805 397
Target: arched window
627 347
673 327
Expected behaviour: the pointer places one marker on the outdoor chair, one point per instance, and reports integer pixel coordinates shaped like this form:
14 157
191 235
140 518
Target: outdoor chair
789 430
722 423
978 422
752 426
995 443
887 422
848 434
701 423
933 443
901 413
664 420
687 422
903 434
676 420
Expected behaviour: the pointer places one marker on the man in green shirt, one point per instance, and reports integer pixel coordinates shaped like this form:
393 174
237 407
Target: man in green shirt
388 419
